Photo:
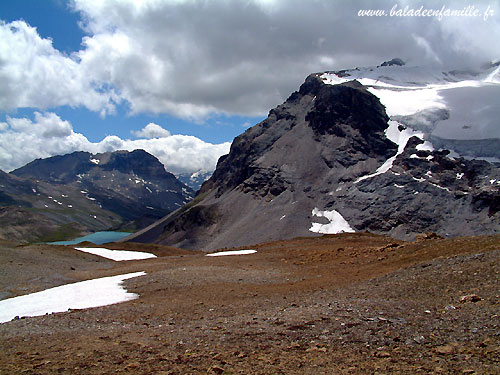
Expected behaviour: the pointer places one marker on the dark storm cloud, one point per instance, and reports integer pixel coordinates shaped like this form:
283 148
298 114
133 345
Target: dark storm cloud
195 58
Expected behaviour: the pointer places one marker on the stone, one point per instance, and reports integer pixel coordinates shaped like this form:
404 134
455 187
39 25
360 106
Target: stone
470 298
445 349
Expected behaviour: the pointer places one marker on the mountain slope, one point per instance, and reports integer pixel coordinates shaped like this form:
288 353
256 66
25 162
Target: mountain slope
330 151
127 190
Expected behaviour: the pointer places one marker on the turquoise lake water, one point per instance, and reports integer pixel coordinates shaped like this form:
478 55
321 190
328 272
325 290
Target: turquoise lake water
98 238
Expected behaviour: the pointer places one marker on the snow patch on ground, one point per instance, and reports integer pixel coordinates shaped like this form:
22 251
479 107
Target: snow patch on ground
336 225
232 252
117 255
95 161
81 295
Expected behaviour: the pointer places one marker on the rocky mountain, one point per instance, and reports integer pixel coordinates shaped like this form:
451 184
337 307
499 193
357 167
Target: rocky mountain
82 192
334 157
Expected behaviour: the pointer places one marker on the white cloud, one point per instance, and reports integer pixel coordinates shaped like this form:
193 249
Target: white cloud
23 140
152 130
34 74
192 59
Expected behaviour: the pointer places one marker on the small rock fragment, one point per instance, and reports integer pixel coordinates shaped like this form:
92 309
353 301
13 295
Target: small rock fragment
445 349
470 298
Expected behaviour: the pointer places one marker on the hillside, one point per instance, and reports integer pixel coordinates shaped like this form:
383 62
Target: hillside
62 196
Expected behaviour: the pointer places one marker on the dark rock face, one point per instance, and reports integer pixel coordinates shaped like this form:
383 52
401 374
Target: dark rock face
347 113
426 191
397 61
127 190
310 153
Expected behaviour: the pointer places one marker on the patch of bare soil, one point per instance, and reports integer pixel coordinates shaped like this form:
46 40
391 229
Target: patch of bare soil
346 304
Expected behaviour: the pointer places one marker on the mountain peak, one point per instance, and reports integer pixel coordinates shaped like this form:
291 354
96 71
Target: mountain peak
331 151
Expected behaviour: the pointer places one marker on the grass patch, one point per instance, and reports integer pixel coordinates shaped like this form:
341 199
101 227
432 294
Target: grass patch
63 232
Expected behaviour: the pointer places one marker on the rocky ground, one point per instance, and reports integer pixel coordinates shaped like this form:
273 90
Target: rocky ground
346 304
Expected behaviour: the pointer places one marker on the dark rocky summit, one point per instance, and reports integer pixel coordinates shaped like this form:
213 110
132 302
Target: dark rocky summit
310 153
82 192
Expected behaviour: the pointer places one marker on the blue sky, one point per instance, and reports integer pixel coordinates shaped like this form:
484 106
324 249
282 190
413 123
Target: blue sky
182 78
54 19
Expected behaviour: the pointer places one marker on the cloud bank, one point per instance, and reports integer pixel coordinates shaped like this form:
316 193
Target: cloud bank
196 58
23 140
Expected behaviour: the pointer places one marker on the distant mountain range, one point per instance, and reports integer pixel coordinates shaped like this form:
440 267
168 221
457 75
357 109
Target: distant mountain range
64 196
194 180
353 151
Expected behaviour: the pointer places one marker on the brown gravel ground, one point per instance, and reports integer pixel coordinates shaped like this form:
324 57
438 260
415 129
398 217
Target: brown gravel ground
343 304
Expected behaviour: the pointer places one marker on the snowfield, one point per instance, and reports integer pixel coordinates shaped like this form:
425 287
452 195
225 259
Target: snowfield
233 252
82 295
116 255
337 223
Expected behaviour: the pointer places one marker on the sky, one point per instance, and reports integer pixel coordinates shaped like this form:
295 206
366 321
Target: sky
181 79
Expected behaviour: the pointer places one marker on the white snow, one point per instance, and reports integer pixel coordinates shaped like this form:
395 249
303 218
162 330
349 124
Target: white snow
34 190
232 252
337 223
117 255
81 295
426 146
401 139
471 98
459 176
95 161
419 179
440 187
281 218
494 77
